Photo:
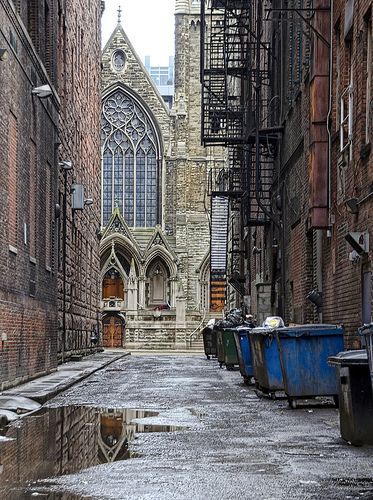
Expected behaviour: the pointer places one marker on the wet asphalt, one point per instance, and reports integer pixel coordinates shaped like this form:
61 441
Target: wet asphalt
230 443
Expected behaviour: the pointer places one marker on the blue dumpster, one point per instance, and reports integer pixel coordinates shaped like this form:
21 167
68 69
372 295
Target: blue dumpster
241 337
266 360
366 331
304 352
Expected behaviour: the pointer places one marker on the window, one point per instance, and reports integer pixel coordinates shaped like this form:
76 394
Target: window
48 217
130 175
345 113
345 125
112 285
295 55
118 60
337 74
368 93
32 199
12 180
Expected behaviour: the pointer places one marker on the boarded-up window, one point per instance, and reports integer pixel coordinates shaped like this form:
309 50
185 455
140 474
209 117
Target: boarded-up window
12 180
48 217
32 199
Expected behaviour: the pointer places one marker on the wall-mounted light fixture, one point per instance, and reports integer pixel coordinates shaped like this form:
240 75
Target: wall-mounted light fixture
352 205
316 298
4 55
88 202
66 164
42 92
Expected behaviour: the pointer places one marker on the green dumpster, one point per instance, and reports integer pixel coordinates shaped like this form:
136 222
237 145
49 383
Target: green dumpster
227 350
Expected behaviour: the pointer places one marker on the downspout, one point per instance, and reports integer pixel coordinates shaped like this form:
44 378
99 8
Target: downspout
329 116
328 126
64 233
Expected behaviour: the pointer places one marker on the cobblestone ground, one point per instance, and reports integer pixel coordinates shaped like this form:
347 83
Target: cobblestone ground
228 442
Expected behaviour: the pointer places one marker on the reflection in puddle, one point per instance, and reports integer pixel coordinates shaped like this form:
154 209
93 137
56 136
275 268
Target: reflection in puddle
118 429
65 440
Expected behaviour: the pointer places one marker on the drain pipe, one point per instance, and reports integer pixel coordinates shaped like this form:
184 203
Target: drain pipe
319 252
329 116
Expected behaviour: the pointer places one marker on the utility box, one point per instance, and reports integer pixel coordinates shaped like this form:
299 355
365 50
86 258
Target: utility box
77 197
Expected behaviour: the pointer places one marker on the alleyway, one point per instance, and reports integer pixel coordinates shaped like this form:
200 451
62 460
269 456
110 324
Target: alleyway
219 439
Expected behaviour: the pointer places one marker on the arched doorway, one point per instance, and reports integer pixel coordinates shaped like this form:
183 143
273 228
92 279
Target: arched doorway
113 331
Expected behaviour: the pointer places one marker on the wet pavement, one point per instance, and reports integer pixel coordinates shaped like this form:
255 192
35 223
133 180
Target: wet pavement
178 427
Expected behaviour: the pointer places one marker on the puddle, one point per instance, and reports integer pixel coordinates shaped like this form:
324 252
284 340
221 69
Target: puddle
65 440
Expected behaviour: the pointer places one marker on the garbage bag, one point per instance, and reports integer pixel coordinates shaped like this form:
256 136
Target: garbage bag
273 322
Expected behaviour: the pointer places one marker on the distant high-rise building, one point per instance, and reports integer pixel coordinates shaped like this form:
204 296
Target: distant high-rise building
163 77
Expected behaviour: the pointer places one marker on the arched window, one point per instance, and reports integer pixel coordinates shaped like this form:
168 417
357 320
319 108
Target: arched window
112 285
204 284
130 175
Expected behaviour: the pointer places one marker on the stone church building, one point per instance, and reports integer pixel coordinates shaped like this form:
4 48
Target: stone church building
155 223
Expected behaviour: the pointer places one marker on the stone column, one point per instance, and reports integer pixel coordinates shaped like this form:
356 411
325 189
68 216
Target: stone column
180 306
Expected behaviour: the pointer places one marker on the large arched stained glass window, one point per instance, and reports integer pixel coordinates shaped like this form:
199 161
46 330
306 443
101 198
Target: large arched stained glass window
129 162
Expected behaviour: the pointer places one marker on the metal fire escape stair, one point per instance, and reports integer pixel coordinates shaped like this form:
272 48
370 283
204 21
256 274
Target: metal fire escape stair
239 112
218 242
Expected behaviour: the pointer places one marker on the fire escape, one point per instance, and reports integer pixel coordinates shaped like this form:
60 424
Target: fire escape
238 113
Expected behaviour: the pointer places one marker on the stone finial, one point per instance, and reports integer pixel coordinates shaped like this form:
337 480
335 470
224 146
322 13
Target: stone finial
119 14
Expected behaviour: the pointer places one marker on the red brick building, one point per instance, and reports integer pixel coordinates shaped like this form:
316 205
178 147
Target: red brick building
298 127
49 72
347 271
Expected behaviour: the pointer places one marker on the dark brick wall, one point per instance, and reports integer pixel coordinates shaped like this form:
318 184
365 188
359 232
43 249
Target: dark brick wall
28 285
351 177
35 134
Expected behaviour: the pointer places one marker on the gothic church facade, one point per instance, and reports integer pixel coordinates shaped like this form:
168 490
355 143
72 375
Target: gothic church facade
155 206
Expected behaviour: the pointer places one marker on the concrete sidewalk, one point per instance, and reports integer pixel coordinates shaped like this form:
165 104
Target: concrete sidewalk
46 387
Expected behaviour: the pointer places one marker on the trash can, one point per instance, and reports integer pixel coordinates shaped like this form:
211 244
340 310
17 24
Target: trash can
210 341
304 352
230 351
366 331
241 337
355 396
266 361
227 352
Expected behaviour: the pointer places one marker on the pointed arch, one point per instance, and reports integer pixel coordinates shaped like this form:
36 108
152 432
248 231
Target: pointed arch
157 284
125 246
160 252
132 156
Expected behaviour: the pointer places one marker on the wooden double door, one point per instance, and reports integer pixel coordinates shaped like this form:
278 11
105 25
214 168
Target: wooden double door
113 329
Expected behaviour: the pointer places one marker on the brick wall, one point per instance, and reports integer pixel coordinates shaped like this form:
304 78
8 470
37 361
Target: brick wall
28 132
78 71
351 175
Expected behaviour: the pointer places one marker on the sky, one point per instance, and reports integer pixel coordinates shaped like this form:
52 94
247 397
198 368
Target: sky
149 25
